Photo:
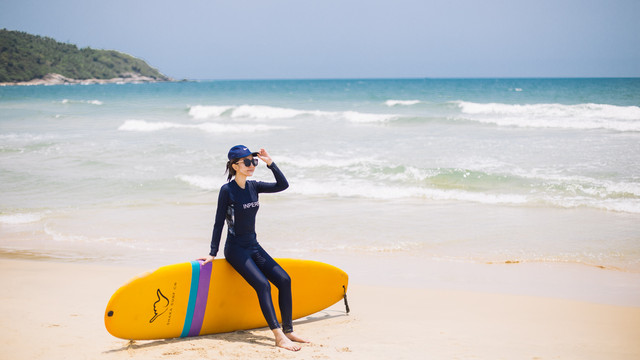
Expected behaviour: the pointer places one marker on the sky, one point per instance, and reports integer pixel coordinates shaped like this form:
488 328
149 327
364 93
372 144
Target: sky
317 39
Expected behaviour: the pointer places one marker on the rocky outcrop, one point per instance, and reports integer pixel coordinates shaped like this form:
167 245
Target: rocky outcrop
57 79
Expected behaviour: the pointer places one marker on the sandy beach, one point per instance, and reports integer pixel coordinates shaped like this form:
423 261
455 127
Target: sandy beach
53 310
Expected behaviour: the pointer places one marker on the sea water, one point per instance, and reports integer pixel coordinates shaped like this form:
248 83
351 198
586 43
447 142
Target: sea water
453 170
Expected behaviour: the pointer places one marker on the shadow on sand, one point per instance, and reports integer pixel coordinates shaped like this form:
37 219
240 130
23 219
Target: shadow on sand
240 336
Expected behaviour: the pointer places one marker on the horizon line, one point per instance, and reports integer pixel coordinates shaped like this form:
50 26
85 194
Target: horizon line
418 78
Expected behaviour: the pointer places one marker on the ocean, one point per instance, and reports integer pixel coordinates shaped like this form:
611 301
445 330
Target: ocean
479 171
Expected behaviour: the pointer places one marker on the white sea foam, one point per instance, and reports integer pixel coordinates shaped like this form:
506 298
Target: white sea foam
375 179
202 182
580 116
92 102
258 112
200 112
146 126
361 189
320 161
359 117
261 112
141 125
617 205
27 137
620 205
555 110
76 239
581 191
58 236
25 218
396 246
374 191
391 103
599 188
266 112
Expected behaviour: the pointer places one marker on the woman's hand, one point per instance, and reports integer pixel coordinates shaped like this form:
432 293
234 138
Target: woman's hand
264 156
207 259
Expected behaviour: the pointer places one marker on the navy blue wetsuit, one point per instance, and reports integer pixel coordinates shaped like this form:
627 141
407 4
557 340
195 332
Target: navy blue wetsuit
238 207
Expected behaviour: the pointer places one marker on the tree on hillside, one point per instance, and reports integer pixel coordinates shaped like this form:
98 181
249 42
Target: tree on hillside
24 57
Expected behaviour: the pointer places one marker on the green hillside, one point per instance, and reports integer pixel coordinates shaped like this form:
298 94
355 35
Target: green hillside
24 57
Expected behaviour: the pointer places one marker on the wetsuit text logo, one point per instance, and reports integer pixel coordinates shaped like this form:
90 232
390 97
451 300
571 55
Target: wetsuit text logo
251 205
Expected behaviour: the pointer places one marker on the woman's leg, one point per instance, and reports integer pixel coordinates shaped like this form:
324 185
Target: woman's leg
276 274
240 259
279 277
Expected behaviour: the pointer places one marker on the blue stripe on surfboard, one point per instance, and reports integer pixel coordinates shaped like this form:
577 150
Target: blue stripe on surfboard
193 294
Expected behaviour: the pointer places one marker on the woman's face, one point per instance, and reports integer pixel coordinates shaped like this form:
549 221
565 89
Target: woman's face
242 168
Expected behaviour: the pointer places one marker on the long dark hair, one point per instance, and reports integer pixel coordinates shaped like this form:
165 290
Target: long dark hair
230 170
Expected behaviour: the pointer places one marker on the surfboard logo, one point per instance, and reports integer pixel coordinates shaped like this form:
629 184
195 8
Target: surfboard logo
160 306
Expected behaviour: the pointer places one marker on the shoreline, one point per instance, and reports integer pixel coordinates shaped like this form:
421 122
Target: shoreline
405 250
55 310
566 281
57 79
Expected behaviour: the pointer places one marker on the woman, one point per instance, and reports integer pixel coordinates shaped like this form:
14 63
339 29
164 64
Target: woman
238 205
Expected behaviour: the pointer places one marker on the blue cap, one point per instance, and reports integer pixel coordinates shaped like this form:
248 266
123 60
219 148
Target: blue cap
240 151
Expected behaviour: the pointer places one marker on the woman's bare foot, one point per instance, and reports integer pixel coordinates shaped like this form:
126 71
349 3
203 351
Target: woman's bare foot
293 337
284 342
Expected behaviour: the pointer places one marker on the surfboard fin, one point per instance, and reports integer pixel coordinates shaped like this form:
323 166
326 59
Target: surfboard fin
346 303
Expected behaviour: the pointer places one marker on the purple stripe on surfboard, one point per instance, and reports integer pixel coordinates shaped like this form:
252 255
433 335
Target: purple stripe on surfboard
201 300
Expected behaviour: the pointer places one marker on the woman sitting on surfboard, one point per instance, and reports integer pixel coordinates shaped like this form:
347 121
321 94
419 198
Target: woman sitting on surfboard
238 205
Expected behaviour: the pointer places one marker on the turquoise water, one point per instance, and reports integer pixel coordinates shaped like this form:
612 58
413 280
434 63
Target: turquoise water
477 170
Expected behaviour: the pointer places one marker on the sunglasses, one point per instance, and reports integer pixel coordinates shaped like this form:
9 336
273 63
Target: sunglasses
249 162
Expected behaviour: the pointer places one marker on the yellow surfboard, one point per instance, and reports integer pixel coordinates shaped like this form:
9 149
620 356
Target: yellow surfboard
189 299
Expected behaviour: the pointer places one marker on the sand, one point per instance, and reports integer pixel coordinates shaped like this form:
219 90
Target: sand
51 310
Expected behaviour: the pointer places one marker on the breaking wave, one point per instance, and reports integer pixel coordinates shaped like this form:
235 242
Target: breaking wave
392 103
261 112
202 182
147 126
580 116
91 102
21 218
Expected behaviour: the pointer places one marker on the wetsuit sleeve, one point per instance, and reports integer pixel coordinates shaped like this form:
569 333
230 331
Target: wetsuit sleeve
221 214
280 184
